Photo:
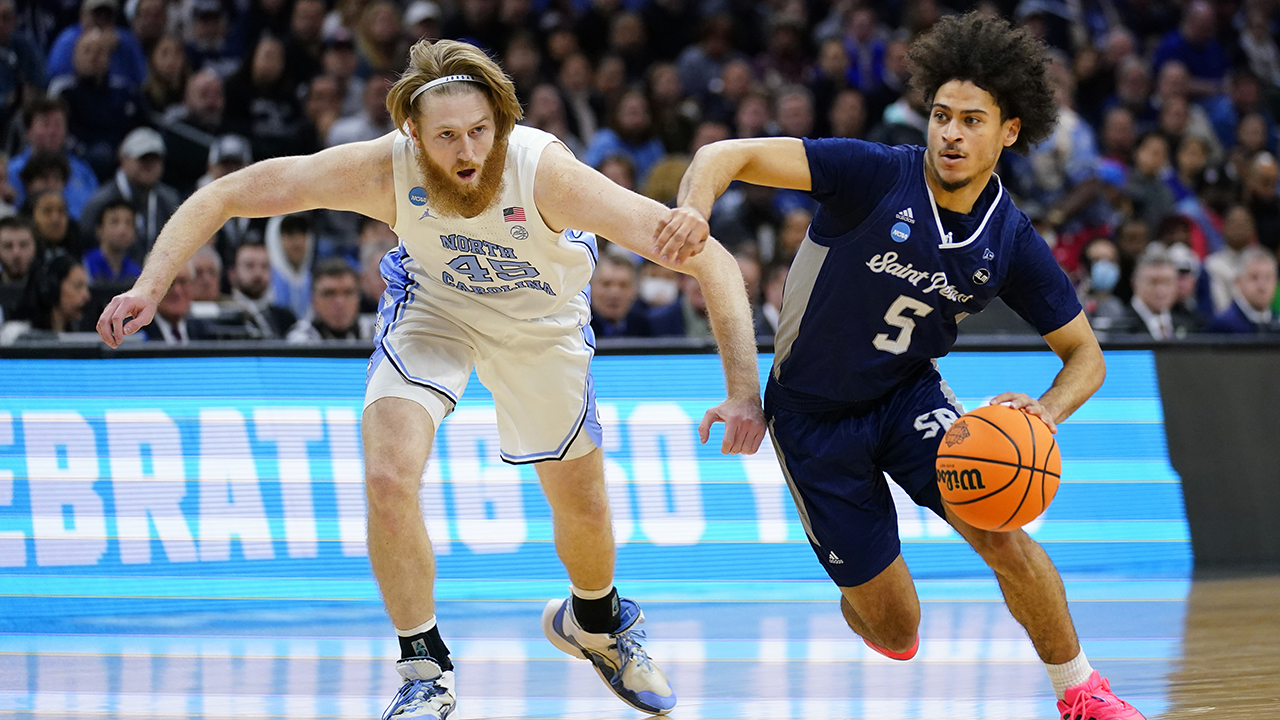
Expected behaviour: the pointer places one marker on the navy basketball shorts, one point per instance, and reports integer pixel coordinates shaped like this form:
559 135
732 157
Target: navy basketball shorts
835 464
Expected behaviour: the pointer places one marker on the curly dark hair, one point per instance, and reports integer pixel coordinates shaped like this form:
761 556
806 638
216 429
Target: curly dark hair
1006 62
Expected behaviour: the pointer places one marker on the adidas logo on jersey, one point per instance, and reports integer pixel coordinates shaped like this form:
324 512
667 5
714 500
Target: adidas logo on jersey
907 216
834 560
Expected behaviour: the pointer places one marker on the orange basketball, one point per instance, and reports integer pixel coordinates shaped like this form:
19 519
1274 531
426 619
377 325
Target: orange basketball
998 468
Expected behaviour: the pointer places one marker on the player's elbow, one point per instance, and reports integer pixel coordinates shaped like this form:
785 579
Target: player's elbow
1092 364
734 154
1100 369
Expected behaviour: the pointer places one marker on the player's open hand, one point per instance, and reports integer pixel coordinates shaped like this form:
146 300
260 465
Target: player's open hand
1027 404
743 425
681 235
126 314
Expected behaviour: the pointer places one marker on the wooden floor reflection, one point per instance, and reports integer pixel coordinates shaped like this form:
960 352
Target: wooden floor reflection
1211 653
1230 664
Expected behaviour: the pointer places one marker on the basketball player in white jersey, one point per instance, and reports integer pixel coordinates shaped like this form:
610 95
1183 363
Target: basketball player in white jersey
496 250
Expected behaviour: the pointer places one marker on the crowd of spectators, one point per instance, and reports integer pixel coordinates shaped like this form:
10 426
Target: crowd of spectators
1159 191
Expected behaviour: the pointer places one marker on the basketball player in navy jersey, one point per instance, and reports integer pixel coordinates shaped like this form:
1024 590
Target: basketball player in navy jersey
495 222
907 242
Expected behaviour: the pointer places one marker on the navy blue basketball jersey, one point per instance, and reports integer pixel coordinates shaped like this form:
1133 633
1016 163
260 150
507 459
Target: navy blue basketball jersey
884 275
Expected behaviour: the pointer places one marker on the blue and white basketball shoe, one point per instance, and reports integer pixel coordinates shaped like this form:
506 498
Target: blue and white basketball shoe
617 657
427 692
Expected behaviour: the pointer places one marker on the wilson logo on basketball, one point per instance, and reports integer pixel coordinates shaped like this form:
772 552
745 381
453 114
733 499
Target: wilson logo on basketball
962 479
1006 472
956 435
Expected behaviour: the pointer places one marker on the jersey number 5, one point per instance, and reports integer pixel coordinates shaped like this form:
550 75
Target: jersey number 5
896 316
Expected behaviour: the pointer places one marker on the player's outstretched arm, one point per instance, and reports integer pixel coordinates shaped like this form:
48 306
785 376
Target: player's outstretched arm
730 313
773 162
1083 370
571 195
356 177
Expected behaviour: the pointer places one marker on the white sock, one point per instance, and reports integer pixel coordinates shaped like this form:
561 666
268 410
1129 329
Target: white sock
1073 672
424 627
590 594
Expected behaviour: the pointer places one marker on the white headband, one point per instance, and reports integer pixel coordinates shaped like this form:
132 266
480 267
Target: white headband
441 81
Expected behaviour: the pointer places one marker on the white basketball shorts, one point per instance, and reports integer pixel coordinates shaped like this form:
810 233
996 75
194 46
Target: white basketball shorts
539 371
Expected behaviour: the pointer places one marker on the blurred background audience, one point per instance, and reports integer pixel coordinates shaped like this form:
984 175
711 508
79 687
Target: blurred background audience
1159 191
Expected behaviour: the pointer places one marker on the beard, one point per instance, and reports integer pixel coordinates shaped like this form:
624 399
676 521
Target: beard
948 186
449 199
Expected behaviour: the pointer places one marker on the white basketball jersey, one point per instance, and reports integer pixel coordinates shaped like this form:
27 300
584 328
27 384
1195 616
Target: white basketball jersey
506 257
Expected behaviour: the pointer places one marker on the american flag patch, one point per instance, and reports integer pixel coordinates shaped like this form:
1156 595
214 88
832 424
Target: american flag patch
513 214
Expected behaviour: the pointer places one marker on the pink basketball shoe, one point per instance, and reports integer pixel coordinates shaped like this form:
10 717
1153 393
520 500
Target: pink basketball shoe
910 653
1093 700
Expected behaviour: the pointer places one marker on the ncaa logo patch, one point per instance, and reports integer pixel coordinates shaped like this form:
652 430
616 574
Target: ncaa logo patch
981 276
418 196
519 233
900 232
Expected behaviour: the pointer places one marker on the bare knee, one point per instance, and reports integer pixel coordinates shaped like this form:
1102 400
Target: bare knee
397 435
576 490
587 508
893 628
391 489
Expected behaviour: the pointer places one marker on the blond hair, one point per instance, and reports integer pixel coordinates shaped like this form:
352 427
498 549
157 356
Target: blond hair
429 61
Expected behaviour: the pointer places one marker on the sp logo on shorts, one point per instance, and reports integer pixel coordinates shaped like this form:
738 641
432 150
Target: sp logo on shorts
519 233
900 232
957 434
418 196
981 276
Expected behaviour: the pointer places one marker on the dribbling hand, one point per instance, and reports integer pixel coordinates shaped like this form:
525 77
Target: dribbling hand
133 306
744 426
681 235
1027 404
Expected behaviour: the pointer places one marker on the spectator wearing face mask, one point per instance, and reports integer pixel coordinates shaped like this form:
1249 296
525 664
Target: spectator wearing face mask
687 317
659 286
1100 263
